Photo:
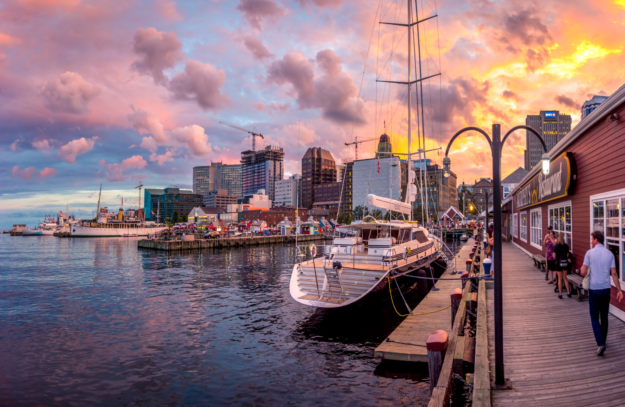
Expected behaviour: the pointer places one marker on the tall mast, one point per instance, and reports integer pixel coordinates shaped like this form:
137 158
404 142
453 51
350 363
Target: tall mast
97 213
425 171
408 190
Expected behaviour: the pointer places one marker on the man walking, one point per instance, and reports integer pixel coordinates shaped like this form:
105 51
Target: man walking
601 263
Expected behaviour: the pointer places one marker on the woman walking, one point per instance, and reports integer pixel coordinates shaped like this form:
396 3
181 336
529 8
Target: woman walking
550 242
563 260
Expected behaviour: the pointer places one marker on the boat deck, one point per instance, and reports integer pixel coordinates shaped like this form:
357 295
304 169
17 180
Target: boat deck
549 347
407 342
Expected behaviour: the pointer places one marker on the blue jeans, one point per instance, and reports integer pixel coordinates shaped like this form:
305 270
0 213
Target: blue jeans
599 308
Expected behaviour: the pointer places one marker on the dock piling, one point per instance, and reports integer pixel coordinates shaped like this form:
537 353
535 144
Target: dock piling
456 297
436 347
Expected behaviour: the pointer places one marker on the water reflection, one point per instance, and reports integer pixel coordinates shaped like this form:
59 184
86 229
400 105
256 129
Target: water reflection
95 321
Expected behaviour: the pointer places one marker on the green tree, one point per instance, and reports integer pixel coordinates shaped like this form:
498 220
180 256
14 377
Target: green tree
175 217
345 218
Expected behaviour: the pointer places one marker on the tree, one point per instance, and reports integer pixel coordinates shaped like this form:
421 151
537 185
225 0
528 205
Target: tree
345 218
175 217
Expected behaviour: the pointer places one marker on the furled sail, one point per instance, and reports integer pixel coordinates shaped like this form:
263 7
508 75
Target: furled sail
388 204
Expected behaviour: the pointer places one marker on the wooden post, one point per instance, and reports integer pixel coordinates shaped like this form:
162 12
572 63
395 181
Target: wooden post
456 296
464 277
436 346
469 263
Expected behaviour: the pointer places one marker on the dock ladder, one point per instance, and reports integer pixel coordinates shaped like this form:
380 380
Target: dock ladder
333 282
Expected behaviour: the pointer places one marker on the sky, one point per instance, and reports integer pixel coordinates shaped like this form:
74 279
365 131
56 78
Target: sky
117 93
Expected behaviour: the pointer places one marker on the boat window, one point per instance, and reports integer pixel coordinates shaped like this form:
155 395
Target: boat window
369 234
420 236
405 235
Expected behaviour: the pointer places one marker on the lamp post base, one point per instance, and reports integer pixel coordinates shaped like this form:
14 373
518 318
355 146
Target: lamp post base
506 386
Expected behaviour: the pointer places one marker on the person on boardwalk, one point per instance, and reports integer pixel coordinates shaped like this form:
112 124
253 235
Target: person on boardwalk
550 241
562 264
599 262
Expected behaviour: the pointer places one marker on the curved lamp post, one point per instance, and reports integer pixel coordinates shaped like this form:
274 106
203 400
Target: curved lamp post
496 145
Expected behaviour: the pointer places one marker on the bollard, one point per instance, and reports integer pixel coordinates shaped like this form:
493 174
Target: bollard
469 262
471 255
436 346
487 264
422 285
464 277
456 296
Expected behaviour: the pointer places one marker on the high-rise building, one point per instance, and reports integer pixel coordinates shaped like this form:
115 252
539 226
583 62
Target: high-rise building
162 204
346 188
217 176
219 198
441 190
288 192
389 182
261 169
318 167
592 104
552 126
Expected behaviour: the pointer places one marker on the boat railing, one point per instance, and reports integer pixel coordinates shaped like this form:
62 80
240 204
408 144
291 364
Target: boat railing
310 251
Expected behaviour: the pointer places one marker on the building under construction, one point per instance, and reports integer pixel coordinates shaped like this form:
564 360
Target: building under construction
261 169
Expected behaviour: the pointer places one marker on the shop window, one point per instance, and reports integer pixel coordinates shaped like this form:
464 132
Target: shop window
597 216
515 225
523 227
536 229
612 218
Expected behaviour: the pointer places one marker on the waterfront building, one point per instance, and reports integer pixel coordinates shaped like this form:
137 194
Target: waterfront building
347 188
511 181
261 170
583 192
318 167
441 190
217 176
272 216
219 199
258 200
205 214
386 177
552 126
164 204
288 191
485 187
590 105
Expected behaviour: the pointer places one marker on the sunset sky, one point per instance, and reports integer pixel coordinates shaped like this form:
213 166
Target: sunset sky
117 92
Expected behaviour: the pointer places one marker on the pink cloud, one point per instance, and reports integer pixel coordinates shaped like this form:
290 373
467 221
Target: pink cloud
201 83
42 145
25 175
147 122
14 146
70 150
321 3
168 10
158 51
114 172
163 158
259 11
46 173
256 47
69 93
194 138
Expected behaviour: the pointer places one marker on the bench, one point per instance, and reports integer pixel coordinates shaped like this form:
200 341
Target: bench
539 261
575 280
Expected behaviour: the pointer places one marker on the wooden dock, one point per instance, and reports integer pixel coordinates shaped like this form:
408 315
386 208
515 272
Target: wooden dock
407 342
549 347
203 244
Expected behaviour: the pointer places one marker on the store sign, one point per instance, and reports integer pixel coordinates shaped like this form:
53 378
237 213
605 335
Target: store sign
559 183
551 115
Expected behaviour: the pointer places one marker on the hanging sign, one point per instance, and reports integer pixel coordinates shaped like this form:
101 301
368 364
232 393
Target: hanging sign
559 183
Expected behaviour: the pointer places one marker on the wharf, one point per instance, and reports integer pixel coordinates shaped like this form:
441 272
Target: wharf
549 346
200 244
456 233
407 342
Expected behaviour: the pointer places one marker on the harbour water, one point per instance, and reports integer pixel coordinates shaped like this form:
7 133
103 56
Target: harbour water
100 322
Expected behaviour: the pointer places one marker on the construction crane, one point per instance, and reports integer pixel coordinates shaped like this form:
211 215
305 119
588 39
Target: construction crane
356 142
140 186
254 135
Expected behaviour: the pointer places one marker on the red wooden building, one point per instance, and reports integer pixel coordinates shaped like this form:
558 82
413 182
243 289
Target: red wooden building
584 191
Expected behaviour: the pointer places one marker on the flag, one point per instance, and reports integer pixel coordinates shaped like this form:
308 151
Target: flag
378 165
153 214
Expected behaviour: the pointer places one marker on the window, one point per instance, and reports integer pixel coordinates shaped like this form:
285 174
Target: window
523 227
608 216
515 225
536 228
560 221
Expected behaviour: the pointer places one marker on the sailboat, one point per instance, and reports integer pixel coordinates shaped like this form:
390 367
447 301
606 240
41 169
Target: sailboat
365 256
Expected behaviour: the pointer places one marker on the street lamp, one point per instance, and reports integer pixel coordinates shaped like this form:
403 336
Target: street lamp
496 145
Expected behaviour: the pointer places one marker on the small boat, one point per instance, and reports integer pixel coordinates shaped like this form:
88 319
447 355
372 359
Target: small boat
464 238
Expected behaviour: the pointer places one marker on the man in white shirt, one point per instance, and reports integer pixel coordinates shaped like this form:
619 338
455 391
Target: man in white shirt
602 265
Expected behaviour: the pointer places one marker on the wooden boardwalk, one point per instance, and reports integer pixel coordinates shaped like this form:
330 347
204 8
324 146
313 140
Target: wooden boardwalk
407 342
549 347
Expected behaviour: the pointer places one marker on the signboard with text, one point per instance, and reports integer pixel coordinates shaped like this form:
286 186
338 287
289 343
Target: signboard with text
559 183
551 116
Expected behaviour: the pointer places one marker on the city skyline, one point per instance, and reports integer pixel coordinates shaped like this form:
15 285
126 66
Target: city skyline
108 93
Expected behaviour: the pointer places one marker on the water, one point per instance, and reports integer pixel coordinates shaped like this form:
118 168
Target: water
99 322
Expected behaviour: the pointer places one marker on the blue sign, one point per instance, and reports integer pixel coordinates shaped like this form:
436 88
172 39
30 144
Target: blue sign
551 116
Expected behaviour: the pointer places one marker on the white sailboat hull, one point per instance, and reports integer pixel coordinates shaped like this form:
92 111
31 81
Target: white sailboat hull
37 232
86 231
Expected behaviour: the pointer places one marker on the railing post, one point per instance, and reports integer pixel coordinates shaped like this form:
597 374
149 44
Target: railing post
456 297
436 346
464 276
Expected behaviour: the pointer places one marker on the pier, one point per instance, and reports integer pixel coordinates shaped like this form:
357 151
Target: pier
549 347
408 341
200 244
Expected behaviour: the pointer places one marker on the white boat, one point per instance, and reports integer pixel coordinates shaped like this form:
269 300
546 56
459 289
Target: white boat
362 258
116 230
40 231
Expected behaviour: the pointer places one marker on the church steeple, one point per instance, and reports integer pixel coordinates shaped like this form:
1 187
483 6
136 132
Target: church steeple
384 147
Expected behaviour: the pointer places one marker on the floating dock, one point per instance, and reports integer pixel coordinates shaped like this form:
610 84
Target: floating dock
408 342
200 244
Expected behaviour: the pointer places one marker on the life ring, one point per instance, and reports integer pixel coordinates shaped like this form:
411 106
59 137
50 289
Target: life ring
313 250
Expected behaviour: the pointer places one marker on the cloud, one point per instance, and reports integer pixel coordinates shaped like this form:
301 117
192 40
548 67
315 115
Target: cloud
42 145
46 173
114 172
149 144
527 28
69 93
508 94
194 138
25 175
271 107
566 101
259 11
256 47
333 91
14 146
201 83
321 3
157 51
70 150
147 122
163 158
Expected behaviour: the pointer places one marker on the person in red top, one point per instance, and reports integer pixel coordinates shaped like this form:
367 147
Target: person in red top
550 242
